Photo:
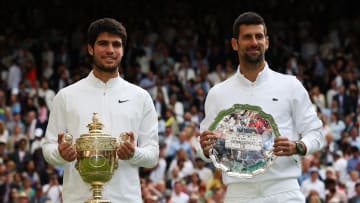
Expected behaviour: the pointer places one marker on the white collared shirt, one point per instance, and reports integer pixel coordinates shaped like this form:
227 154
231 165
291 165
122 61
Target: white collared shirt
121 107
280 95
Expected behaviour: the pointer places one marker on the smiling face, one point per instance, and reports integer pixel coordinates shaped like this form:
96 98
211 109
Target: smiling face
251 44
107 52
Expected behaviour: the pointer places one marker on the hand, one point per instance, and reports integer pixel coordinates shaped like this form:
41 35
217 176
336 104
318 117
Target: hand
284 147
206 141
66 149
126 149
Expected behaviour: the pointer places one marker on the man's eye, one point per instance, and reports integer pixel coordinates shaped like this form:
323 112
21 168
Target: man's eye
259 36
117 44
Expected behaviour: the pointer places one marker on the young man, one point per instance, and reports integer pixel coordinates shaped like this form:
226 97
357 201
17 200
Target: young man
121 107
280 95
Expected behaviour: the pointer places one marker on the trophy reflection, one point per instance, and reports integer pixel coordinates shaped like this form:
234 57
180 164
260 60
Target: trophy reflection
96 158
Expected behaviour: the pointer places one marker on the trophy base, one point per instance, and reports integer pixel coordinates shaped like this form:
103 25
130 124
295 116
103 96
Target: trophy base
97 188
98 201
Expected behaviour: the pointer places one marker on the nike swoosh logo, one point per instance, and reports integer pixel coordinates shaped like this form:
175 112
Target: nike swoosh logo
122 101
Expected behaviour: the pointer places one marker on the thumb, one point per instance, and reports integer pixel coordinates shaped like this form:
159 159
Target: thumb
131 137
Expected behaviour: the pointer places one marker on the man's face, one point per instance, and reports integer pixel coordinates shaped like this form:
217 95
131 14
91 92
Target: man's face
107 52
251 43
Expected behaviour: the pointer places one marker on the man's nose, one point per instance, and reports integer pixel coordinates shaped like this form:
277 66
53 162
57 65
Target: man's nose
110 48
253 40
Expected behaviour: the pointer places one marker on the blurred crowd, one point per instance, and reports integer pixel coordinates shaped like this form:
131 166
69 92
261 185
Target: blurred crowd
178 58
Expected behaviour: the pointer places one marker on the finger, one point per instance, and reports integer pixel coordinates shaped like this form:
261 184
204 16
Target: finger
207 149
131 137
127 148
206 135
64 145
282 153
283 144
121 152
68 153
206 132
206 143
130 146
60 137
281 139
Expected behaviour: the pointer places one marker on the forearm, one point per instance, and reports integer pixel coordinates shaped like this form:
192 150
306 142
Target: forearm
147 152
314 141
51 154
147 156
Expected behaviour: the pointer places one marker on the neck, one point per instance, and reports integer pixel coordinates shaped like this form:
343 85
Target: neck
250 70
105 76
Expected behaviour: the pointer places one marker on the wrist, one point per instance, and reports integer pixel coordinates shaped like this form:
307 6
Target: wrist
300 148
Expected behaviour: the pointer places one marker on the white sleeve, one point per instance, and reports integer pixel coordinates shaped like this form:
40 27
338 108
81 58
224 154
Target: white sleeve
307 123
210 114
56 124
147 152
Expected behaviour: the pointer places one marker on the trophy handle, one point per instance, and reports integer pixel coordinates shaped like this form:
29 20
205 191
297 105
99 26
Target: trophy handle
67 138
123 137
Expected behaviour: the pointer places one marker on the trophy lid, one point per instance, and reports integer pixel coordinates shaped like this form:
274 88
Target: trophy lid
95 127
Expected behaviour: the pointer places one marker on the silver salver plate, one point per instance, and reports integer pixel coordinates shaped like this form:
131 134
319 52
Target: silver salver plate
243 146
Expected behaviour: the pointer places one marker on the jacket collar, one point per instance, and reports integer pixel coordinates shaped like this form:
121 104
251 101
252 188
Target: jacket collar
96 82
261 77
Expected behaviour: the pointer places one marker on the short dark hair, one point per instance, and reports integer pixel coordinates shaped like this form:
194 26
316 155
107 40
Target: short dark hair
247 18
109 25
354 149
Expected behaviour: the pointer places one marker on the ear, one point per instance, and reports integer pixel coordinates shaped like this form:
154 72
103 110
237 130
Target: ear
267 42
234 44
90 50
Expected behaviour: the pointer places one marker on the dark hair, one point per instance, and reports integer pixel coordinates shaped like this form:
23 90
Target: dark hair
247 18
354 149
106 25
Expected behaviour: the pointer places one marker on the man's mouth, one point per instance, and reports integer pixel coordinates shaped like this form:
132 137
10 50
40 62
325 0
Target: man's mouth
109 59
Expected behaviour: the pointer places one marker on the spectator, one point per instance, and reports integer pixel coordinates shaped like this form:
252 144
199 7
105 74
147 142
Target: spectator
314 197
313 183
354 161
21 155
53 189
39 197
14 76
336 125
339 165
204 172
351 184
356 198
37 142
181 167
333 193
178 196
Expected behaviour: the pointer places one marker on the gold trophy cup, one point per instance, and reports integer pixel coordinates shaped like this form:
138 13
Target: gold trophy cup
96 157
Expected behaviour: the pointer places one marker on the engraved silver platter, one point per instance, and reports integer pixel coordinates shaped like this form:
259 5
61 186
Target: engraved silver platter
244 141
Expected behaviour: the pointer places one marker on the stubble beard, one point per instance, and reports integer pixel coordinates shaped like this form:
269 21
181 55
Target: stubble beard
254 59
104 69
